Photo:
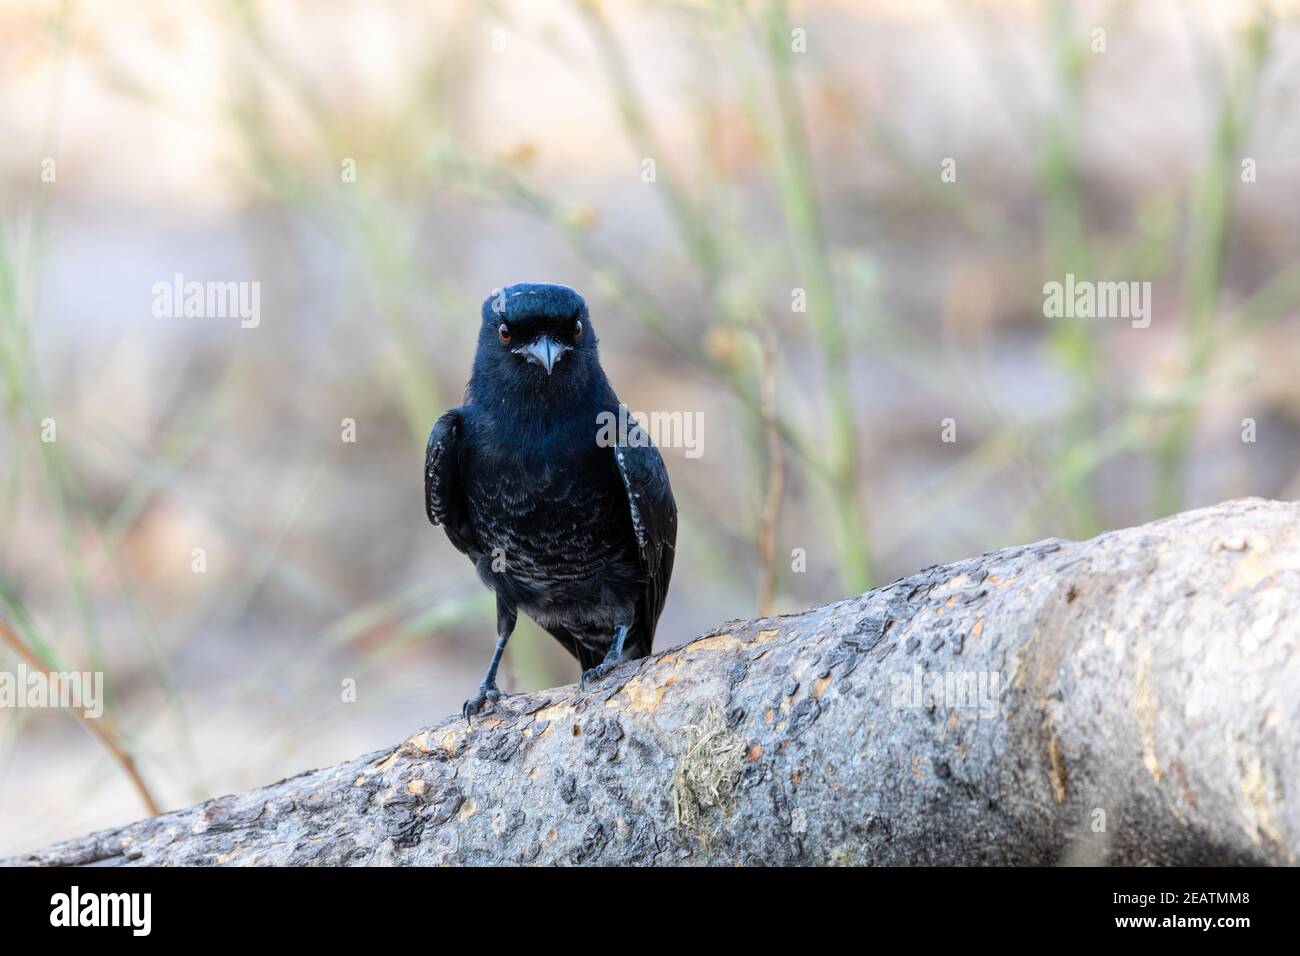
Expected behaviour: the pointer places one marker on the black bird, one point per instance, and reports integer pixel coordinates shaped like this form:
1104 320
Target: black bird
576 531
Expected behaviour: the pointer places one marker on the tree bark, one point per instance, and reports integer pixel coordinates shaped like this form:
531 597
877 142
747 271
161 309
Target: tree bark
1127 700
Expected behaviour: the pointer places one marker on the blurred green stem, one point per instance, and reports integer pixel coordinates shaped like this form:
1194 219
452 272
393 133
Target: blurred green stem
1074 341
1211 211
803 218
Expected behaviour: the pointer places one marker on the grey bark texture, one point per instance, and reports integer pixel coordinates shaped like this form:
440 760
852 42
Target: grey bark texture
1132 699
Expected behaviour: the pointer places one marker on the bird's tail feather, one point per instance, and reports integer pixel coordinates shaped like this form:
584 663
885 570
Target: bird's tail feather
587 657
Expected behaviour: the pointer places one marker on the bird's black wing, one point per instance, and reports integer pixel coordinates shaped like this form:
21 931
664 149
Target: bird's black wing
654 520
444 498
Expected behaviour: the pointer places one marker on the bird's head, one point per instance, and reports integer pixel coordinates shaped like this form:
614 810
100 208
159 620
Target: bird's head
536 338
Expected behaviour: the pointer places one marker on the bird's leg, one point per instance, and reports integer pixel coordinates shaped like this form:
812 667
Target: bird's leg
488 692
613 658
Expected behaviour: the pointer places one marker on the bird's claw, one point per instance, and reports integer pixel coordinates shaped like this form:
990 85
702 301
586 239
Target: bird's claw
487 694
596 673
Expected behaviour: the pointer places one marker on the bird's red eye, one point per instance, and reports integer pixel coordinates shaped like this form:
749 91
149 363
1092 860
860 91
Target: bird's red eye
503 331
577 331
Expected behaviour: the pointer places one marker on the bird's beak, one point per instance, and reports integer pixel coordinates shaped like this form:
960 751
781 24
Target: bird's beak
545 351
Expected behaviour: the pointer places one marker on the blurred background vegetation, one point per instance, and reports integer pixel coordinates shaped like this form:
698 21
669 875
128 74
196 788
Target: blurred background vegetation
796 146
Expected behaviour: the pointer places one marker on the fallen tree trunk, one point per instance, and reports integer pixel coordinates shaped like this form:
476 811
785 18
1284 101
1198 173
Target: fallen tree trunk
1130 699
